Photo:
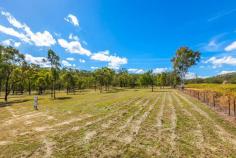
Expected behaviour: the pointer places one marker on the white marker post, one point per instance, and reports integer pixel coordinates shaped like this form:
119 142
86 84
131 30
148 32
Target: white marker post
35 102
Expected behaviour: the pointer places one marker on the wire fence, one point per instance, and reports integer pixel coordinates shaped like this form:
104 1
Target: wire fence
220 102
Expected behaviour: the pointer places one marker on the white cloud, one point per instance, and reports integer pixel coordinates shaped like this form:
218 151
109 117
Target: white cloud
85 43
39 38
66 63
81 60
114 62
72 19
214 45
12 32
159 70
136 71
41 61
203 77
73 37
218 62
42 39
231 47
74 47
190 75
94 67
226 72
221 14
70 59
10 42
101 56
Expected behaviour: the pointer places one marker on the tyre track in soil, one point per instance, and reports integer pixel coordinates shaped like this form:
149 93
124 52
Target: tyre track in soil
224 135
88 136
159 119
198 131
136 126
49 145
166 126
116 118
75 119
173 126
221 132
113 133
147 140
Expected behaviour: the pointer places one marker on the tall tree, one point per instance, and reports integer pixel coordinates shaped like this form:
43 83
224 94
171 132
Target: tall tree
10 58
183 60
148 79
69 80
104 77
55 65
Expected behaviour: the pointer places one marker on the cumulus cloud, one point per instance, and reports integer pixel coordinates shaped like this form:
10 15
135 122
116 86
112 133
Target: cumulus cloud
231 47
81 60
73 47
72 19
73 37
66 63
226 72
70 59
14 33
25 34
41 61
114 62
218 62
94 67
190 75
136 71
159 70
10 42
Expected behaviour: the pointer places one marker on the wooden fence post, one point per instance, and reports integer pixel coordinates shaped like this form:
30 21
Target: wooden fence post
214 102
229 104
234 107
204 97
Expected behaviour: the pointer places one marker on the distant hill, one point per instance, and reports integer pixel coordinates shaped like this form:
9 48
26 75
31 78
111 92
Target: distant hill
224 78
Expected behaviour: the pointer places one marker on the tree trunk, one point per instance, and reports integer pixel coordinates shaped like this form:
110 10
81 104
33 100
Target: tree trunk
29 87
0 87
54 92
52 89
6 88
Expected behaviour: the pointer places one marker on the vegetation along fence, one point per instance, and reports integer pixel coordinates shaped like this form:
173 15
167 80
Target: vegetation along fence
220 102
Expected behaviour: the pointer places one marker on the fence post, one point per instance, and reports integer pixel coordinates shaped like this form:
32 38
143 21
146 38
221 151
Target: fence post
214 102
198 96
204 97
229 104
234 107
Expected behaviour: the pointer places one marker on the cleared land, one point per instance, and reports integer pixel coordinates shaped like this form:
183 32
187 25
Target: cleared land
221 88
129 123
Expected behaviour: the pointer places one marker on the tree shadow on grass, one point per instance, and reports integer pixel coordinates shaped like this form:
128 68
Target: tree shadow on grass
116 90
63 98
10 103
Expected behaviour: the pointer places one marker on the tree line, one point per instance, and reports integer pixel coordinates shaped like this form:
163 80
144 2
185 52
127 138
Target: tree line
17 76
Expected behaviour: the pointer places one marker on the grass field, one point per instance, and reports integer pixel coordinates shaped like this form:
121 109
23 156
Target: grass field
129 123
222 88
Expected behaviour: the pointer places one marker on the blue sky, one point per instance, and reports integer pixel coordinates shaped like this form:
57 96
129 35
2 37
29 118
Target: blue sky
137 35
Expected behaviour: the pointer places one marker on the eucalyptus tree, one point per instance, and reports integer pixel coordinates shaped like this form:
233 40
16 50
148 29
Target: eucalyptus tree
123 77
10 59
104 77
183 60
55 66
148 79
69 80
30 75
